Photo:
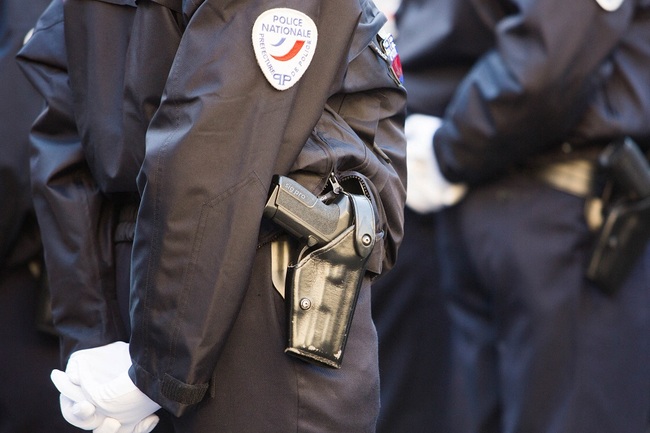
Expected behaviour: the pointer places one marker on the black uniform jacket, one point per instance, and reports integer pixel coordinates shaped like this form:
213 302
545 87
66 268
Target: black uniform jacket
514 79
220 134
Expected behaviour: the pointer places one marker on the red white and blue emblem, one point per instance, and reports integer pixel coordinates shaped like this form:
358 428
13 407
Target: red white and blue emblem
284 41
388 51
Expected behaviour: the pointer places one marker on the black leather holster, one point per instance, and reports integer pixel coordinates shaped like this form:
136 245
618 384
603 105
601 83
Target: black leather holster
323 287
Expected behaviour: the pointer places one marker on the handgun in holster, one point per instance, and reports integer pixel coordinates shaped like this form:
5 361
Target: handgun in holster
336 234
625 230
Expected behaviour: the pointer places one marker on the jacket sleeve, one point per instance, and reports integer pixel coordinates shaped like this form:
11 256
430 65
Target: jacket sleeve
531 89
219 135
373 105
73 216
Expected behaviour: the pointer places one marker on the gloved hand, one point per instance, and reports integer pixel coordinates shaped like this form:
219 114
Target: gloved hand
428 190
98 394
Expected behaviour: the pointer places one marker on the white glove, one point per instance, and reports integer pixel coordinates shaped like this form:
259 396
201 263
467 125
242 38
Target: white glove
428 190
98 394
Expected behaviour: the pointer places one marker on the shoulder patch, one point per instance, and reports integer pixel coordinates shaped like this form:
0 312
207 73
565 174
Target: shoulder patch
284 41
610 5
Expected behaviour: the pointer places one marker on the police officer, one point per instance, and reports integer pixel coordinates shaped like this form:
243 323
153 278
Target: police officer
524 89
56 138
408 304
207 326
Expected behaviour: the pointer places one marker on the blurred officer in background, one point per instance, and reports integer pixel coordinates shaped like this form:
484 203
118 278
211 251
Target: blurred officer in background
408 304
96 36
413 329
28 402
207 328
522 99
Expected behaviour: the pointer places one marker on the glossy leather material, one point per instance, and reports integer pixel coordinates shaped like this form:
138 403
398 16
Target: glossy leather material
324 287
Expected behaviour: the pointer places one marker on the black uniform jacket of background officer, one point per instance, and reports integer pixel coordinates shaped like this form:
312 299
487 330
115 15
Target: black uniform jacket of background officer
581 65
76 215
220 134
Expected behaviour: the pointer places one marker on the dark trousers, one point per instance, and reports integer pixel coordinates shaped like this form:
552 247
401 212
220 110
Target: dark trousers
413 326
536 347
29 403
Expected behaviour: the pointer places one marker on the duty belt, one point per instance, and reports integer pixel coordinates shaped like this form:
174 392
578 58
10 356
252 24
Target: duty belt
617 205
575 176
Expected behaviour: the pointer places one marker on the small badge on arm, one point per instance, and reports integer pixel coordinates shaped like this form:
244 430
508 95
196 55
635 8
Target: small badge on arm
388 51
284 41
